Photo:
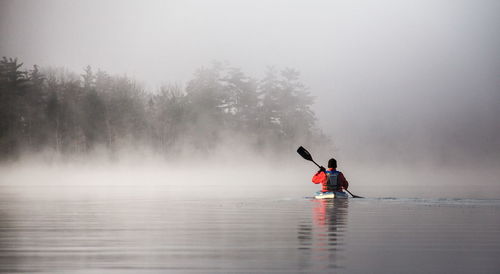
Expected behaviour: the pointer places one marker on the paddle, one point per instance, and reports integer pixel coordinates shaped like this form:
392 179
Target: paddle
306 155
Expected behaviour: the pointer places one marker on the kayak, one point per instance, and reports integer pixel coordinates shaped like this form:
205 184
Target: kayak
330 195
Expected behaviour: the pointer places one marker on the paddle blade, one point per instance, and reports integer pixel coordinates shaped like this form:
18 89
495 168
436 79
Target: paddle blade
304 153
354 196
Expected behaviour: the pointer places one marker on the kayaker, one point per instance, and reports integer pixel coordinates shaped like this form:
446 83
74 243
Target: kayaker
332 180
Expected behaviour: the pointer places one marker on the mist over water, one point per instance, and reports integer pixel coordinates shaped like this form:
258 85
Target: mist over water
147 220
161 136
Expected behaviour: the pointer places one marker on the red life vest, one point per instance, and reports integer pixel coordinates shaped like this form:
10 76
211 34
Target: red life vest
329 180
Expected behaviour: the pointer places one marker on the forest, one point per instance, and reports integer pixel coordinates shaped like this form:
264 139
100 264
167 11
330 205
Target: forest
66 113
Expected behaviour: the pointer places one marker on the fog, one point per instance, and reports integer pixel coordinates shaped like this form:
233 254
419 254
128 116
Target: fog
404 89
161 136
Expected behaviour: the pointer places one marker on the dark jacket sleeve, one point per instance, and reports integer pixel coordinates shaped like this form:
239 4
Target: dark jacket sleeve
343 181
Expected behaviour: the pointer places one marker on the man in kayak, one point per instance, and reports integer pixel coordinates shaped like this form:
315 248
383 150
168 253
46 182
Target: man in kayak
331 179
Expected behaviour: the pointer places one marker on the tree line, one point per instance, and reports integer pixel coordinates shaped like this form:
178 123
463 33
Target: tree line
67 113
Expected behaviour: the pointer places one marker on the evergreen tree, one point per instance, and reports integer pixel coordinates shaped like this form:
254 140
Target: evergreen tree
171 117
208 107
286 116
242 100
13 86
74 113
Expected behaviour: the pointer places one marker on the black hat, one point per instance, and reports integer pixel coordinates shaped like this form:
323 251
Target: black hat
332 163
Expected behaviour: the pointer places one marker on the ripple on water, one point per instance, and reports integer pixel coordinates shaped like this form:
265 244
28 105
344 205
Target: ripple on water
133 234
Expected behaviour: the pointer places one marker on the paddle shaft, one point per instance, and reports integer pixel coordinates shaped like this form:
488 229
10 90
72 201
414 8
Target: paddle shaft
354 196
315 163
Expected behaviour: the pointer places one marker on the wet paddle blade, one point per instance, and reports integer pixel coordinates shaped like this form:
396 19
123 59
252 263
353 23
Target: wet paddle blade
304 153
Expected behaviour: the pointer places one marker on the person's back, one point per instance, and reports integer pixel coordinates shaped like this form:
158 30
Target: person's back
331 180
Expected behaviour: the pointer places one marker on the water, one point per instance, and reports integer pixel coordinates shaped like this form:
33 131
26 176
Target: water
148 229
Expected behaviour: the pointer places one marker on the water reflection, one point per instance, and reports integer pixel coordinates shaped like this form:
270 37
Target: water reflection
322 238
131 232
6 262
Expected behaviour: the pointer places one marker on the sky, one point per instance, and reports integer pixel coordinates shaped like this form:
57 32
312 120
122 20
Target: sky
409 77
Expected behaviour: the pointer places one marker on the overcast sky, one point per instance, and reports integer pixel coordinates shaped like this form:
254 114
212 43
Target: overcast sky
381 68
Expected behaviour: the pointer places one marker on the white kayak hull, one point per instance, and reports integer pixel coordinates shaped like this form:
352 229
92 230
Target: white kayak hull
330 195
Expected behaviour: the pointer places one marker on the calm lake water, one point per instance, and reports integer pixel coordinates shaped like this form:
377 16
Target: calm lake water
137 230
